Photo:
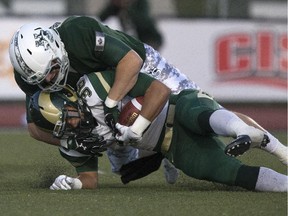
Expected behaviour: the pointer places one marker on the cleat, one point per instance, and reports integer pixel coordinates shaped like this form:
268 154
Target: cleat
242 144
238 146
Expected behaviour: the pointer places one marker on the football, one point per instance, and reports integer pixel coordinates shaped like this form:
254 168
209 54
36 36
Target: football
130 111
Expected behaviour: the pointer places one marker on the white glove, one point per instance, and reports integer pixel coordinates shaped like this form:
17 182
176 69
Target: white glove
132 134
64 182
126 135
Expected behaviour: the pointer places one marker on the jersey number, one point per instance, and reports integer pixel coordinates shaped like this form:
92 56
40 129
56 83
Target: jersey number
83 92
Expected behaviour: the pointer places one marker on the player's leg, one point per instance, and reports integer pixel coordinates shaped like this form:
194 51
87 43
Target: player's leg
203 115
274 147
203 158
247 136
120 156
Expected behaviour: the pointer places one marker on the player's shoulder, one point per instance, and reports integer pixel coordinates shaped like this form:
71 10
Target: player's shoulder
75 28
79 20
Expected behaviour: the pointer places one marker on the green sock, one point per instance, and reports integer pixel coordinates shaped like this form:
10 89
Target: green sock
247 177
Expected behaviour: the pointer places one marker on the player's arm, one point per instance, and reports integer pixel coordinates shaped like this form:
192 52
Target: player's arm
86 168
40 135
89 180
126 76
155 93
85 180
35 132
155 98
124 59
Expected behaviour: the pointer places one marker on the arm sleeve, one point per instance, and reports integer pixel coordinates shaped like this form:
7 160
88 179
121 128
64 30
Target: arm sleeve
101 83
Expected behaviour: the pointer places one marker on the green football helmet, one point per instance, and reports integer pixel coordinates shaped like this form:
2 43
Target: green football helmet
50 111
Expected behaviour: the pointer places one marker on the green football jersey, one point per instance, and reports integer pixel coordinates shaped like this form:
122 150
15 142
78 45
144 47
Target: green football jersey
93 47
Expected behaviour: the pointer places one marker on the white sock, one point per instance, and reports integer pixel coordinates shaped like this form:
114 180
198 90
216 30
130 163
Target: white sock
226 123
276 148
271 181
273 144
222 120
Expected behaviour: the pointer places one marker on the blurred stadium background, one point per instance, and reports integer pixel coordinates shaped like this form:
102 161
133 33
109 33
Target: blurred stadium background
235 50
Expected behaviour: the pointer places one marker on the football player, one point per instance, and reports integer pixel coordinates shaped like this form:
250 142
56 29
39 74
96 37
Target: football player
135 18
188 138
50 58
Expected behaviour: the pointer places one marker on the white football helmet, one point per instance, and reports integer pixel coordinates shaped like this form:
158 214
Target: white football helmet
35 51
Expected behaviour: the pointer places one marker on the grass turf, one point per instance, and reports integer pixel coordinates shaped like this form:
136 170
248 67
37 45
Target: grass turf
29 167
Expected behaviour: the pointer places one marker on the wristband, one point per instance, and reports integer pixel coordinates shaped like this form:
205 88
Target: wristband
77 184
110 103
140 125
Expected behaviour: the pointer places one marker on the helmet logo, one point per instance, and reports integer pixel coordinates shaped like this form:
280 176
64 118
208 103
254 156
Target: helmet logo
44 38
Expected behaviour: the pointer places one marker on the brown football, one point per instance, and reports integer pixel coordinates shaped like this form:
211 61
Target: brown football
131 111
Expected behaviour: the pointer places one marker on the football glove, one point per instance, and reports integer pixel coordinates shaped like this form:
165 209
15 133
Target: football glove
93 145
64 182
132 134
126 135
111 117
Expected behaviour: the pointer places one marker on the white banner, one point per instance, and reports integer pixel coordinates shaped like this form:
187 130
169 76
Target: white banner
232 60
237 61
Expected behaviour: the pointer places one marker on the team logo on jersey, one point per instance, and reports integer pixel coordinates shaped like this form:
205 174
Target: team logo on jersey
100 41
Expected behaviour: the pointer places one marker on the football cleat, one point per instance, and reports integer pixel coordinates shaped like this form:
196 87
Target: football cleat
242 144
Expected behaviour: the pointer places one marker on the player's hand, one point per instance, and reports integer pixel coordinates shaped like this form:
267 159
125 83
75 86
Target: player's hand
92 145
126 135
64 182
111 117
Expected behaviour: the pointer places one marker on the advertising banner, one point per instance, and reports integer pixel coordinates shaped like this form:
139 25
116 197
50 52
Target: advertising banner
235 61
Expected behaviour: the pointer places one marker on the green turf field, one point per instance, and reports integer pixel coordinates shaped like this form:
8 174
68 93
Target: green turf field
29 167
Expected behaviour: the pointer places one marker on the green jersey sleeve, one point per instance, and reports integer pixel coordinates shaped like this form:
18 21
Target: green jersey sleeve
99 84
92 46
